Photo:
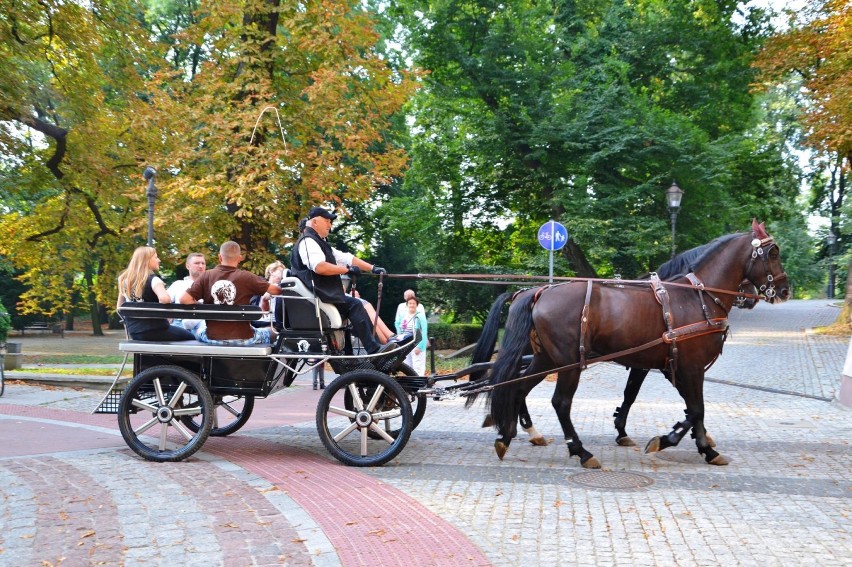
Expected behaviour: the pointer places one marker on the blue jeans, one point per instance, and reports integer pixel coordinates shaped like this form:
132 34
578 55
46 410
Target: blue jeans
261 336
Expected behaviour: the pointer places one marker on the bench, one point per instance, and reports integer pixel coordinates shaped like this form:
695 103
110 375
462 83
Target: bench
43 327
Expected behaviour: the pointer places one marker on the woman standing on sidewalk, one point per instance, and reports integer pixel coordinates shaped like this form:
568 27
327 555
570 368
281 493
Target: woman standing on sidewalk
140 282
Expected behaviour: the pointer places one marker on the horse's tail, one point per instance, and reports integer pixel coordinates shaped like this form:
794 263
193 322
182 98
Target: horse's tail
487 341
516 340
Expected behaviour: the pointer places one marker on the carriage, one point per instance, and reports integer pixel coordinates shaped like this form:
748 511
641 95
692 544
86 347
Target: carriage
183 392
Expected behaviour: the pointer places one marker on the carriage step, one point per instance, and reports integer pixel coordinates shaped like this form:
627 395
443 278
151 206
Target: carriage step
110 402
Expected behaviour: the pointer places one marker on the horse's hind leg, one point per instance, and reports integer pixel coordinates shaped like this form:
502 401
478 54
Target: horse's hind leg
526 423
563 396
525 420
631 390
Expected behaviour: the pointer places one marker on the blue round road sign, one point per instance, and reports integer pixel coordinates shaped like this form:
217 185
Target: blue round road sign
552 235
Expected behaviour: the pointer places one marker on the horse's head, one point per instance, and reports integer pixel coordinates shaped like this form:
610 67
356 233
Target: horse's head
765 270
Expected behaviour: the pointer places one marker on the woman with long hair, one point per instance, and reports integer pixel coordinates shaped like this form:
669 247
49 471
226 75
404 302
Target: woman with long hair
140 282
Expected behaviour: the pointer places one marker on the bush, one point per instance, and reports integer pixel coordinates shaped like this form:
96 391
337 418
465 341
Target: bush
5 325
453 337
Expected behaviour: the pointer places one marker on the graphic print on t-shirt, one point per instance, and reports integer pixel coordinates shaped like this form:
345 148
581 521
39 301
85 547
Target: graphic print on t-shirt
223 292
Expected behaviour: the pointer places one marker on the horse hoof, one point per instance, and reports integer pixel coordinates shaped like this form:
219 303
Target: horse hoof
625 442
539 441
591 463
653 445
719 460
500 448
710 441
488 422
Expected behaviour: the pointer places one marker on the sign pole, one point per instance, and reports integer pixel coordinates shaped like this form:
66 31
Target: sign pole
552 243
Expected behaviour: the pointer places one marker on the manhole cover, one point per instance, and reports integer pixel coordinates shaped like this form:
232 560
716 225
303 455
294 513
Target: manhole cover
611 480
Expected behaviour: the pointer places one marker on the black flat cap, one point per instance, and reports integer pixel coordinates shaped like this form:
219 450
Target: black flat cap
320 212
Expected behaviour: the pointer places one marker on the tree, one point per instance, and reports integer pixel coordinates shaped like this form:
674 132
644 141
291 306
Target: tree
65 148
585 112
91 94
814 55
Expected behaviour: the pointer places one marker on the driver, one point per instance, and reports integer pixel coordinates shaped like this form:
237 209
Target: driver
319 267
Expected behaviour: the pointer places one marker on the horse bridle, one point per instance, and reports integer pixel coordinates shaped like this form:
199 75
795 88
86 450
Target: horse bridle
760 251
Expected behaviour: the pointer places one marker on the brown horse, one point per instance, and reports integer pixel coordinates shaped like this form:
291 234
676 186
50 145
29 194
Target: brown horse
677 326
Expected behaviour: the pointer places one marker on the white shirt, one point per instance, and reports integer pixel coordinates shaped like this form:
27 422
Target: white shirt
311 254
177 288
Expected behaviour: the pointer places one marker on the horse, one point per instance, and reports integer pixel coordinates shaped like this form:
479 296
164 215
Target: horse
571 324
485 346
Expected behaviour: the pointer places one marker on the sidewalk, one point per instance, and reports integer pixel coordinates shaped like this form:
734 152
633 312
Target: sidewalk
271 495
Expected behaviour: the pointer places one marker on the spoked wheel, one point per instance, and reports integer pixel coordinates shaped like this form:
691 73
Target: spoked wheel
357 436
230 413
418 406
154 408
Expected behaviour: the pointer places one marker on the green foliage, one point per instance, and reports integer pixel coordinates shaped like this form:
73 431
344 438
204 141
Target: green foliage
5 325
453 336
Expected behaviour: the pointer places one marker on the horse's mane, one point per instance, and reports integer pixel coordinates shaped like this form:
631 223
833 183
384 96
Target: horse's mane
690 260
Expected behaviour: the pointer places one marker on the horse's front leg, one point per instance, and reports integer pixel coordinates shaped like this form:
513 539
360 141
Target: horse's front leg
631 390
690 385
563 396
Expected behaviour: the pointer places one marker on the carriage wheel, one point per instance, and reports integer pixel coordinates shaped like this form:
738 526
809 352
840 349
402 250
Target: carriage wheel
153 410
376 398
418 406
230 413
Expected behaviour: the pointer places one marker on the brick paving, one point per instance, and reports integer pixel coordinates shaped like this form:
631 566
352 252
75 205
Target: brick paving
72 493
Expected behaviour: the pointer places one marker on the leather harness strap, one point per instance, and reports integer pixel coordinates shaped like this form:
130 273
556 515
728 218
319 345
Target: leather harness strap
663 298
584 324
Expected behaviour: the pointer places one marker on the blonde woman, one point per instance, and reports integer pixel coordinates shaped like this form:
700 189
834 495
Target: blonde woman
140 282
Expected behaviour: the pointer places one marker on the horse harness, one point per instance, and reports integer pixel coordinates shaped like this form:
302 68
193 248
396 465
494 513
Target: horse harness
672 334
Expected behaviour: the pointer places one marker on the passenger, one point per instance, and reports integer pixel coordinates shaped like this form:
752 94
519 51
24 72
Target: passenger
274 273
414 319
226 284
140 282
319 267
383 332
195 265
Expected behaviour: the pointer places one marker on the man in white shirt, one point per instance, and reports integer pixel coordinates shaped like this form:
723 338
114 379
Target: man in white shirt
196 265
319 267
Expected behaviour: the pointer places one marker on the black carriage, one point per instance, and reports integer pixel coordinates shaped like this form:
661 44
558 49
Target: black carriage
182 392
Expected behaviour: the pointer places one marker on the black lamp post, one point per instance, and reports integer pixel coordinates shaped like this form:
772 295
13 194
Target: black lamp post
674 195
832 240
149 174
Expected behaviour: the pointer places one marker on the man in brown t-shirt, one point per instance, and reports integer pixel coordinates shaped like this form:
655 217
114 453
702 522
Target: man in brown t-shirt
226 284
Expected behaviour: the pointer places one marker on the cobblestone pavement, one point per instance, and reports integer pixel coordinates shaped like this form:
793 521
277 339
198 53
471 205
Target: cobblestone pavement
72 493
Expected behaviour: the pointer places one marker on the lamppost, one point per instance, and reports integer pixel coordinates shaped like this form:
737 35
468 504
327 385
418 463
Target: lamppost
674 194
832 240
149 174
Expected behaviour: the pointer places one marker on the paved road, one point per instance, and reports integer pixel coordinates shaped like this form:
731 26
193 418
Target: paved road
72 493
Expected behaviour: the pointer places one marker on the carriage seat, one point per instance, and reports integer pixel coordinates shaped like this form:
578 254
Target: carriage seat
297 309
193 348
148 310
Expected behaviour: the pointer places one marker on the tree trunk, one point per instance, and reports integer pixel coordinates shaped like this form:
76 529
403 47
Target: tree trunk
94 311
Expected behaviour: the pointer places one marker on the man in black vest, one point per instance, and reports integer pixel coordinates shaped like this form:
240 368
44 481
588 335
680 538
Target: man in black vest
319 267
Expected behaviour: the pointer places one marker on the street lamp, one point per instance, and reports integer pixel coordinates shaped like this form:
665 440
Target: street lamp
149 174
674 194
832 240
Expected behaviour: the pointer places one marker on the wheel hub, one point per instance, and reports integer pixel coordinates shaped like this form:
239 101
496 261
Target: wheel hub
363 419
165 414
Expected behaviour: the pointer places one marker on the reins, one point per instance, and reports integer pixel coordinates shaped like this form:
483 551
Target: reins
686 332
